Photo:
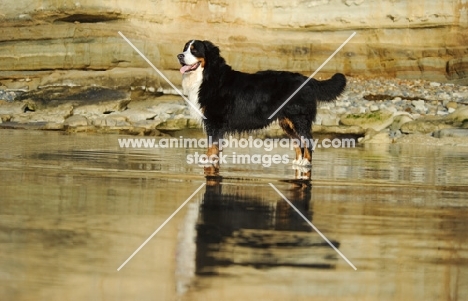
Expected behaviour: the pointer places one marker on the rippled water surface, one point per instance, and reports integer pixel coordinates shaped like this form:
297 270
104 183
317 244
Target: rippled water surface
74 207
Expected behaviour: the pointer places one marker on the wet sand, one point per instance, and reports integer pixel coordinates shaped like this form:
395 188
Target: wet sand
74 207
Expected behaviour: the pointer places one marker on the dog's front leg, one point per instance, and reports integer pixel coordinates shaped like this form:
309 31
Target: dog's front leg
214 148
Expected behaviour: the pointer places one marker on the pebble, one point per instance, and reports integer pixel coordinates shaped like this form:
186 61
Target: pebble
451 105
399 95
442 113
9 95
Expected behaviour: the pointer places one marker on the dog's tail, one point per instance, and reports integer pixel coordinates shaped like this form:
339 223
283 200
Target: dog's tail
330 89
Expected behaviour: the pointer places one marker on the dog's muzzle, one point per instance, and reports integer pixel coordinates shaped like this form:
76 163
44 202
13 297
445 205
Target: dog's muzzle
186 68
181 58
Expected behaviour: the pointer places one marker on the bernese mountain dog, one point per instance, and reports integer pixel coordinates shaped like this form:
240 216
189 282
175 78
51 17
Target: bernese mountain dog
237 102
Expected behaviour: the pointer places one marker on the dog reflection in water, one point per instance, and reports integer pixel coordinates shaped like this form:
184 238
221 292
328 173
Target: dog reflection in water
239 226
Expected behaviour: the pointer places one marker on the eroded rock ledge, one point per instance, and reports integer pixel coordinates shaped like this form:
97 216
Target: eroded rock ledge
77 42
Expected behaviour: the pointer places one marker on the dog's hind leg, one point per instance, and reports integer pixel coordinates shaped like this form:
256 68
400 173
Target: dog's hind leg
303 128
291 129
288 127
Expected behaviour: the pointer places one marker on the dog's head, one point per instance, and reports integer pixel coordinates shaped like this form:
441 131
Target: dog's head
197 54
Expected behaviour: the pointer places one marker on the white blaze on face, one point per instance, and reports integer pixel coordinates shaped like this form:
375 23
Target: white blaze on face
189 59
192 80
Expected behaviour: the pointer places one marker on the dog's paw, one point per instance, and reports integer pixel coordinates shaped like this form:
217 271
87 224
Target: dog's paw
204 165
301 168
297 161
305 162
211 170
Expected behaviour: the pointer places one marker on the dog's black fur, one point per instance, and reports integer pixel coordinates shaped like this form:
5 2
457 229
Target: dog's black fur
234 101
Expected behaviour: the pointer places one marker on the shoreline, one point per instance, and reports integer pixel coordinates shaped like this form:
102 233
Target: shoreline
377 110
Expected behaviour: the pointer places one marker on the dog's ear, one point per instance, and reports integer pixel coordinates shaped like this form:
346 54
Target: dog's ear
211 49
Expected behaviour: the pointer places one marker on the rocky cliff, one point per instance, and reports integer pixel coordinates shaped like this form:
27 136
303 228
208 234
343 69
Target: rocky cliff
77 43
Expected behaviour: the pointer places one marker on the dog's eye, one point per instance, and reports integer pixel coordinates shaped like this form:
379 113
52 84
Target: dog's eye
194 51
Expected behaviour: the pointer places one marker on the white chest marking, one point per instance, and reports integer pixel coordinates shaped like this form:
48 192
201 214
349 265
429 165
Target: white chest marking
191 82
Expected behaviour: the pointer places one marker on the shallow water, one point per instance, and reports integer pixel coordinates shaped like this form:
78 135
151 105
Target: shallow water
74 207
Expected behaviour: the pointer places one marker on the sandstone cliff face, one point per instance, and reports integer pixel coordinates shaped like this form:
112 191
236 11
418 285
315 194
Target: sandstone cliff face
77 42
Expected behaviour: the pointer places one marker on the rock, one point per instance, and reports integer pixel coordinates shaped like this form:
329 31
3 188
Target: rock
5 117
431 109
134 115
459 116
457 67
338 129
399 120
111 120
105 107
373 108
194 124
326 116
323 108
329 120
164 116
76 121
451 133
147 124
442 113
51 115
426 125
419 105
53 126
118 78
318 119
376 137
173 124
357 110
341 111
394 134
451 105
461 96
75 95
16 107
376 120
9 95
168 108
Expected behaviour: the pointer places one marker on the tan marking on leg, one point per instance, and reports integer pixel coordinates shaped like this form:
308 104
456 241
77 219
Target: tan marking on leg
298 151
213 150
212 170
288 127
307 155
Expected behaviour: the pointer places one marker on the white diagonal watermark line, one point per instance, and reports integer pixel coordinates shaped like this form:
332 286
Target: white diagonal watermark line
160 227
313 227
162 75
313 74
